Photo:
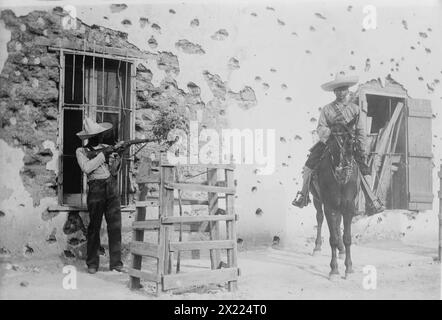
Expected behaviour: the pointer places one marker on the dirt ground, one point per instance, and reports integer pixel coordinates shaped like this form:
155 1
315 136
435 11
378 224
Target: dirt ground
403 272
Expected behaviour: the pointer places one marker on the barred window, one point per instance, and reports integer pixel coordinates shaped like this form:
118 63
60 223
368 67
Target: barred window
98 87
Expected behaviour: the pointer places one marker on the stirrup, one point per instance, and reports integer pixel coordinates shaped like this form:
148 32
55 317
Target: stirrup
376 207
300 200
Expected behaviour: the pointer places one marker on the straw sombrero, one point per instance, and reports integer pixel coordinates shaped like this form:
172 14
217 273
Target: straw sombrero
92 128
340 81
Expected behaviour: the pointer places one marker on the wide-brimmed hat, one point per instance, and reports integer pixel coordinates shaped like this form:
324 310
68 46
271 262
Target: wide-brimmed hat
340 81
92 128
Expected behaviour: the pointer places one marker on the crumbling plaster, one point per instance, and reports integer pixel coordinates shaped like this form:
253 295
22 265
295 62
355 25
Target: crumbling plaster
283 53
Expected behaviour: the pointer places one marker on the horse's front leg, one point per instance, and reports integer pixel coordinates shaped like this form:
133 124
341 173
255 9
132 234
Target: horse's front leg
348 216
341 246
319 220
332 221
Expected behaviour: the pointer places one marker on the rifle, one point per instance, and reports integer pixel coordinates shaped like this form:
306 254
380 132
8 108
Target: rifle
120 149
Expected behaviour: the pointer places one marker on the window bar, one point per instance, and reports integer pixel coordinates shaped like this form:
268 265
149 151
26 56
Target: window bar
93 80
73 78
102 88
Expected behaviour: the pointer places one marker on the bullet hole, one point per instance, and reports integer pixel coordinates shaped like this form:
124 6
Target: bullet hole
282 139
2 214
194 89
235 182
297 137
284 165
75 241
288 99
233 64
294 33
28 250
352 67
258 181
313 119
312 28
381 63
143 22
255 171
194 23
24 284
222 112
417 68
270 8
258 78
259 212
367 65
171 11
272 70
423 35
349 8
153 44
156 27
408 227
254 189
115 8
430 88
363 30
308 51
220 35
51 238
320 16
405 24
126 22
265 86
289 156
412 47
283 86
280 22
428 50
420 79
105 18
188 47
239 241
276 240
68 254
253 14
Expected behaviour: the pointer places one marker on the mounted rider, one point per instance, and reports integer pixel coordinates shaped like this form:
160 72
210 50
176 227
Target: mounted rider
340 111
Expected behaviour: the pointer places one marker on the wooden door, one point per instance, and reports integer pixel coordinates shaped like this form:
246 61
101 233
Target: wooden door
419 160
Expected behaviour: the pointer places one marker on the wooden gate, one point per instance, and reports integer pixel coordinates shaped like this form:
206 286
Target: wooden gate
166 249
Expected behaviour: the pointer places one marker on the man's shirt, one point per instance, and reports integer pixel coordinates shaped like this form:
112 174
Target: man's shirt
347 112
95 168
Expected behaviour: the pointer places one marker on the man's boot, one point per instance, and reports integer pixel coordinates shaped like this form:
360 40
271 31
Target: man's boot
302 199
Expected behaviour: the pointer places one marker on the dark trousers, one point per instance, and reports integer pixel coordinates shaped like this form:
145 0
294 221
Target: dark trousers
103 198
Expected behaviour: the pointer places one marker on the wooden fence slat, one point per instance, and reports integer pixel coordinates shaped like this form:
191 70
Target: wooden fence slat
151 224
231 230
144 249
193 219
148 276
201 245
155 201
174 281
138 235
200 187
215 255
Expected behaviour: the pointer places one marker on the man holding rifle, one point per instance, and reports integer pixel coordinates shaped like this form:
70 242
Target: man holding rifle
101 163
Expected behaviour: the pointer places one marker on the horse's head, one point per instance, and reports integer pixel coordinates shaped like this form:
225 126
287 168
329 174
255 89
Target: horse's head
342 145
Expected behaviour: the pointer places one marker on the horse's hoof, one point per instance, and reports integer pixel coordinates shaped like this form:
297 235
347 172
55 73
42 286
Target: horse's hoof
348 275
341 256
333 276
316 252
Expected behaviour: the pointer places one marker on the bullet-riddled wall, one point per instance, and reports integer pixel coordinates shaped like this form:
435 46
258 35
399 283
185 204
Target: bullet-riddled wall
260 66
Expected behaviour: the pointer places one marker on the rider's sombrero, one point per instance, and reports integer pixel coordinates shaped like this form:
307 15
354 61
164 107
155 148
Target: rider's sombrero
92 128
340 81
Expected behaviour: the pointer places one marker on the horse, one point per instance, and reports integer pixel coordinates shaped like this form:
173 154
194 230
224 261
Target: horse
337 184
